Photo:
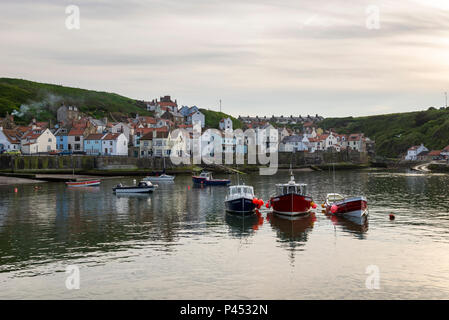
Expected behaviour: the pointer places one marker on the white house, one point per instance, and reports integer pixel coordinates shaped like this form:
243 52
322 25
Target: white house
161 145
330 141
121 127
196 117
38 141
413 152
114 144
356 141
9 140
75 139
225 124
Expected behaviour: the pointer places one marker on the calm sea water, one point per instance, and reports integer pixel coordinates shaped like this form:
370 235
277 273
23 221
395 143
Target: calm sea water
179 243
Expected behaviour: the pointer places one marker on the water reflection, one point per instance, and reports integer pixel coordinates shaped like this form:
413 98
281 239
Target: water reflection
292 229
357 226
243 226
179 224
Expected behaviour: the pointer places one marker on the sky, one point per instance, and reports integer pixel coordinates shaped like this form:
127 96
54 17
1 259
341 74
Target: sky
332 58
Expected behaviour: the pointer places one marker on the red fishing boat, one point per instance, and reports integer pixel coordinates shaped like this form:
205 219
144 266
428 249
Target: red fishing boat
85 183
291 199
341 206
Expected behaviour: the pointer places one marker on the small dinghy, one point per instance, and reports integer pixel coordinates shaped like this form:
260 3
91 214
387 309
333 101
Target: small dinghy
86 183
342 206
162 178
240 200
142 187
205 178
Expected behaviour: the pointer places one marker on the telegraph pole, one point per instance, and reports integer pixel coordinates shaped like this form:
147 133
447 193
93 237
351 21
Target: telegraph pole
220 105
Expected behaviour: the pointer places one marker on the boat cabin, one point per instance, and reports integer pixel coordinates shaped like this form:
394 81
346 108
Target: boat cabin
206 175
291 187
144 184
241 189
333 197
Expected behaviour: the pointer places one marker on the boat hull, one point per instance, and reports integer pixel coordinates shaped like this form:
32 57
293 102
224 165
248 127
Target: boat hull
291 204
90 183
133 189
352 207
240 206
211 182
156 179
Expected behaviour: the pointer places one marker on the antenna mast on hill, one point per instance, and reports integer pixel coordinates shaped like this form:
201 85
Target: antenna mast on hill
220 105
446 98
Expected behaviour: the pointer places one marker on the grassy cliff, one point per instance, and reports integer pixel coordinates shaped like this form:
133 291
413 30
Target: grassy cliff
395 133
213 118
41 100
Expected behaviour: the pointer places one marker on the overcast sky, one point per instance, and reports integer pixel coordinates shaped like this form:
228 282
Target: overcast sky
259 57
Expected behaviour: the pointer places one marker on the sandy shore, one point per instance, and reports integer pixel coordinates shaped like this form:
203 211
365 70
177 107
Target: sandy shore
12 180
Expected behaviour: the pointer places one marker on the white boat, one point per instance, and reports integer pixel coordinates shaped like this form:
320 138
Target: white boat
142 187
162 178
346 207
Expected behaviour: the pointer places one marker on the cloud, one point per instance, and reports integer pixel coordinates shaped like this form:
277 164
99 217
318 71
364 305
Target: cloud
257 56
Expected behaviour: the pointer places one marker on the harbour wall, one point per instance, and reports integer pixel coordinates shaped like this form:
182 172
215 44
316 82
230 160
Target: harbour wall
17 163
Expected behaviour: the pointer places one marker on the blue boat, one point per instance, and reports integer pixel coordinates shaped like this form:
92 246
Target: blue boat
240 200
205 178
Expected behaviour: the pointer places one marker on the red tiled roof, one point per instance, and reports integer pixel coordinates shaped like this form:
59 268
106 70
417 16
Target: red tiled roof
446 149
76 132
435 152
12 136
94 136
111 136
143 130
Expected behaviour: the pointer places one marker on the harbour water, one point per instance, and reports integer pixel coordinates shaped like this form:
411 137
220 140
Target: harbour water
178 243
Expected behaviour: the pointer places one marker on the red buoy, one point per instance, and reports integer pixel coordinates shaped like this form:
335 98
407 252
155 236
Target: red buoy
392 217
334 208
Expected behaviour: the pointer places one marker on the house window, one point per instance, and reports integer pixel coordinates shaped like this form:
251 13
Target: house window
77 138
49 139
110 143
77 147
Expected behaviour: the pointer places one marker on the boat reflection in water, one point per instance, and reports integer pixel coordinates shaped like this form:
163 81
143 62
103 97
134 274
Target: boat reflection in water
293 232
292 228
241 226
357 226
89 189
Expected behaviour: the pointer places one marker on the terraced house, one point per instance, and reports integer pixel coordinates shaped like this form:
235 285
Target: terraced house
38 141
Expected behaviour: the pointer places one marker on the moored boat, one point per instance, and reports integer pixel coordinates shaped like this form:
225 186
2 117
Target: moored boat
205 178
342 206
85 183
291 199
161 178
142 187
240 200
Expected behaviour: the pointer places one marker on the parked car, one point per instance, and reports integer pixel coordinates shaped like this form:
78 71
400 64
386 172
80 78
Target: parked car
65 153
13 152
54 152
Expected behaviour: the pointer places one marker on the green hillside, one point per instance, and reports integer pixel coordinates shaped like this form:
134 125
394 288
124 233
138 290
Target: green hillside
395 133
41 100
213 118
